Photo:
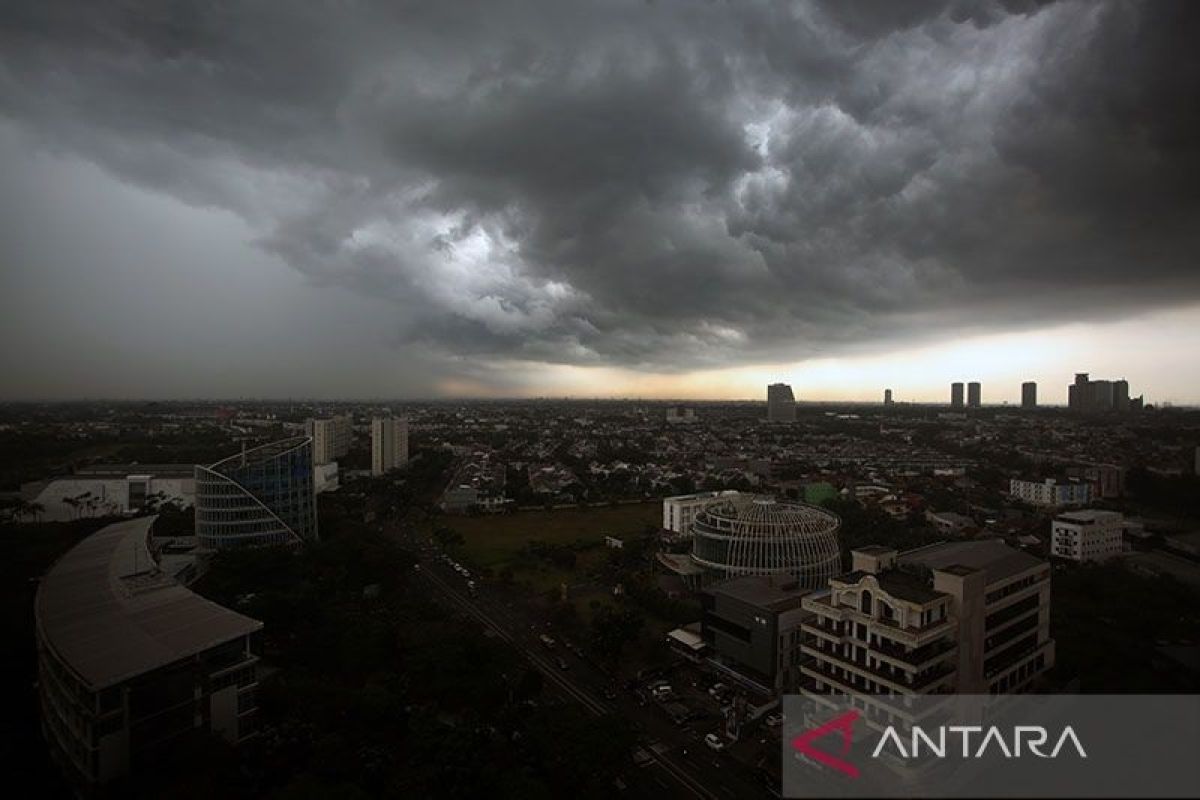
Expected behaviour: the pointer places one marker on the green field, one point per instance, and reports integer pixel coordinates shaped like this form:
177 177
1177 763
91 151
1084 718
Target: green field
495 541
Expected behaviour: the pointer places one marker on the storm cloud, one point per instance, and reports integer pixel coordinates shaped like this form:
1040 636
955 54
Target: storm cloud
669 185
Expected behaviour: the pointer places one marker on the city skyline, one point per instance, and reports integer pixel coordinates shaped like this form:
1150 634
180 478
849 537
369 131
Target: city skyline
417 209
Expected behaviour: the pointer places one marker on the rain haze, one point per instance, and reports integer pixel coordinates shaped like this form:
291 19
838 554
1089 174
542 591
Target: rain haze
663 199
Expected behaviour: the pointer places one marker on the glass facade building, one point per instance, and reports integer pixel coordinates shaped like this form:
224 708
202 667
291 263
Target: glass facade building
261 497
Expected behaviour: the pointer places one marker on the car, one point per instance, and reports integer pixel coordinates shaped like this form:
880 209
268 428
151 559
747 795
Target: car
547 641
610 693
562 663
714 742
773 720
661 692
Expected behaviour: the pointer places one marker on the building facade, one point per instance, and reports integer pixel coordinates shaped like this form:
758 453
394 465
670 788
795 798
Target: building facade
680 511
130 663
331 437
751 626
756 535
1087 535
1052 493
389 444
956 395
1087 395
112 489
961 617
974 394
261 497
781 403
1028 394
887 397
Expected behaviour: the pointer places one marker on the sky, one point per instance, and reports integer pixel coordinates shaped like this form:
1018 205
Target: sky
667 199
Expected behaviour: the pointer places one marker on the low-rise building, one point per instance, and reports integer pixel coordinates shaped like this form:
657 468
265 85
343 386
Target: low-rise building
949 523
111 490
680 511
752 625
131 663
1087 535
966 617
1052 493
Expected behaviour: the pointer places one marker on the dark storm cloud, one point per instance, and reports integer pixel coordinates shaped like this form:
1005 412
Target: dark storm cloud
669 184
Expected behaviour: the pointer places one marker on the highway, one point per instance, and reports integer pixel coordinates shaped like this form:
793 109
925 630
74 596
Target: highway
682 766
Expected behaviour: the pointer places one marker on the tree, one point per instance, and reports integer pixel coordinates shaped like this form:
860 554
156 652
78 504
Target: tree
612 629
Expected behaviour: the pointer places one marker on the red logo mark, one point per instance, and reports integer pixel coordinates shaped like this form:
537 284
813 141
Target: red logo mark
843 723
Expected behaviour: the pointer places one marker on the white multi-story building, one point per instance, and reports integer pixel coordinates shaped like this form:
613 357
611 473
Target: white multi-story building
955 617
112 489
389 444
1052 493
1087 535
680 511
331 437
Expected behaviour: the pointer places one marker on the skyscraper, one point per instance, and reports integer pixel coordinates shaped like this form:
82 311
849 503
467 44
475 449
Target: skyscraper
1028 394
974 394
956 395
781 403
887 397
1088 395
389 444
331 438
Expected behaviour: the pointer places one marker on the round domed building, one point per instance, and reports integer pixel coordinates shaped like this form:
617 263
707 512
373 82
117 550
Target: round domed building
757 535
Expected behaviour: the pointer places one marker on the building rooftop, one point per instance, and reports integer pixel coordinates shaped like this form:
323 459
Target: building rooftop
1088 515
123 470
110 613
993 556
898 583
763 591
258 455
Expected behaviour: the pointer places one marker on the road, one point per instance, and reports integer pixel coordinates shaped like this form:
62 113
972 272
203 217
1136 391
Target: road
681 765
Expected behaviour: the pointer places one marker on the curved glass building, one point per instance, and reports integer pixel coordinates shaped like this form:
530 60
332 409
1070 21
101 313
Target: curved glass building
260 497
755 535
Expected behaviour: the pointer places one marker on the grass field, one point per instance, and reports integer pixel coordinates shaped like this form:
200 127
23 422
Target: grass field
494 541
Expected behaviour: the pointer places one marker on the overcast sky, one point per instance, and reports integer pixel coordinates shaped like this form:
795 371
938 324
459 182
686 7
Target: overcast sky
671 199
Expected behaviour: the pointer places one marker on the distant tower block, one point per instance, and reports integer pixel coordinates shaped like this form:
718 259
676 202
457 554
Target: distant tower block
1028 394
956 395
974 394
887 397
781 403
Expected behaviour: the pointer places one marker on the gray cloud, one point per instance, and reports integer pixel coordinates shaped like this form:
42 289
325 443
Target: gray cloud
666 185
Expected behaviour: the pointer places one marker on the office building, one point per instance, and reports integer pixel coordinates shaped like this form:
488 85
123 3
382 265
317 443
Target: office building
956 395
965 617
751 626
1052 493
680 511
974 394
131 664
1087 535
887 397
756 535
1028 394
781 403
389 444
260 497
331 437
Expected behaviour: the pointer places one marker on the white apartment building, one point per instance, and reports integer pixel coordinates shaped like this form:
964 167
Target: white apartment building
1052 493
331 438
954 617
680 511
389 444
1087 535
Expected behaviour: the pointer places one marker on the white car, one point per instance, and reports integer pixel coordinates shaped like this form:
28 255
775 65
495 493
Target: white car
661 692
714 742
774 719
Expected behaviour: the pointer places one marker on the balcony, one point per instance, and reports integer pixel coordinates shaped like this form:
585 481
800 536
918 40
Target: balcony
915 659
918 683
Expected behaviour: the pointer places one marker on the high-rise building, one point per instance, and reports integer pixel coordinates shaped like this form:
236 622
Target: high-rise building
781 403
887 397
1028 394
974 394
131 663
957 617
389 444
956 395
331 437
1099 396
260 497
